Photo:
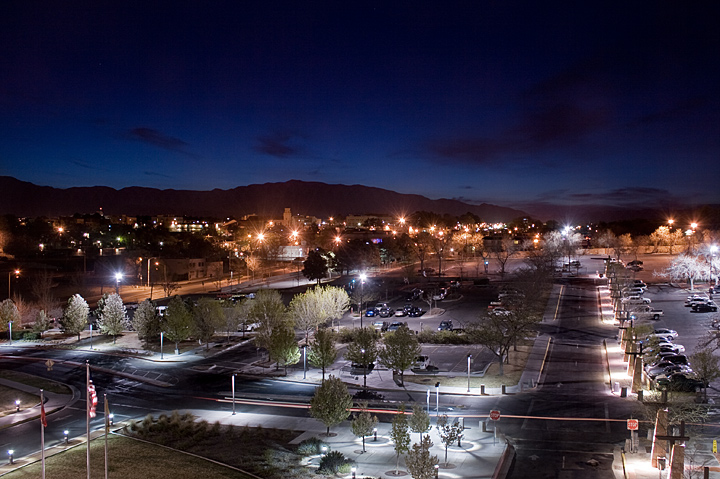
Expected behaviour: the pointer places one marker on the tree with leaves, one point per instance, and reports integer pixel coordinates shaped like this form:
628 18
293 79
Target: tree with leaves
706 366
315 266
449 431
178 322
306 309
9 313
363 423
283 347
75 316
323 352
146 321
112 316
400 435
363 349
419 461
401 347
42 322
335 302
269 312
331 402
208 318
234 314
420 420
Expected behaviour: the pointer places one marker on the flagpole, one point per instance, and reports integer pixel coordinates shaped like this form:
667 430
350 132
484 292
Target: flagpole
87 412
107 428
43 422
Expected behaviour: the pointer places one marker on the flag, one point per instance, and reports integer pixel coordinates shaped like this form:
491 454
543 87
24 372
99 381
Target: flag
43 419
91 397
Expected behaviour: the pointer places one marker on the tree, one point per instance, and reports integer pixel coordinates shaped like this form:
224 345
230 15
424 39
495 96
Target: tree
401 349
8 313
498 331
315 266
335 302
283 347
269 312
306 309
420 420
363 349
449 432
331 402
75 317
209 317
112 316
503 250
178 322
42 323
439 244
400 435
146 321
322 352
234 315
705 364
419 461
363 423
41 289
687 267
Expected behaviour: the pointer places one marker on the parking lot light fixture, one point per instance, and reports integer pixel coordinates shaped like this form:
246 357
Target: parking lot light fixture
362 291
10 456
469 357
118 278
67 435
17 405
375 434
437 398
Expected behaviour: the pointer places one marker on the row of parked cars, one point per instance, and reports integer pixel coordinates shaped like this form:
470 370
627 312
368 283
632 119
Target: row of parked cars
701 303
666 363
384 311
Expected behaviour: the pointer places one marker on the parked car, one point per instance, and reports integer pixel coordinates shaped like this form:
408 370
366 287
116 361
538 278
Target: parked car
695 299
635 267
400 312
415 312
421 362
635 263
665 370
445 325
395 326
705 307
415 293
361 369
636 299
439 295
380 325
370 312
670 332
385 312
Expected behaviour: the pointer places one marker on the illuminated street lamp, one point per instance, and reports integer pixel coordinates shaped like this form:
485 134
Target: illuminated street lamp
10 331
469 358
362 292
118 278
10 273
17 405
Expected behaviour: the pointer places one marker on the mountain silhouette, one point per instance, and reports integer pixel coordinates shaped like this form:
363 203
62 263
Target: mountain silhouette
22 198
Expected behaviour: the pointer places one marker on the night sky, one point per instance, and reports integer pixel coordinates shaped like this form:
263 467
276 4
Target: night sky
524 104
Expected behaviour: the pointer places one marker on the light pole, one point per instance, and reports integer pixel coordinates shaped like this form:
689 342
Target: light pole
118 277
91 336
162 334
233 392
10 273
304 361
10 331
362 351
713 254
362 292
428 401
437 398
469 357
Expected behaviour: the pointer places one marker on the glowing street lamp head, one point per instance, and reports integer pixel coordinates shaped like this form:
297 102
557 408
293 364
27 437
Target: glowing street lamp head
671 221
363 277
693 225
261 236
118 276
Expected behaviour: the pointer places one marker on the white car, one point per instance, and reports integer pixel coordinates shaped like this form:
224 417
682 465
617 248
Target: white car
636 299
670 332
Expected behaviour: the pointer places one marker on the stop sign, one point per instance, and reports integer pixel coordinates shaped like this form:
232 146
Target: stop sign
632 424
494 415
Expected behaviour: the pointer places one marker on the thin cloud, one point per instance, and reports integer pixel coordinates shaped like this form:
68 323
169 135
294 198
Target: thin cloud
277 145
156 138
155 173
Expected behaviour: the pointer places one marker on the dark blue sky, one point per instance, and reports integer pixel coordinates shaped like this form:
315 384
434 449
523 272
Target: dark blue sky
524 104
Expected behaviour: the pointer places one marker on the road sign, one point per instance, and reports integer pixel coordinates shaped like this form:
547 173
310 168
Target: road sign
494 415
632 424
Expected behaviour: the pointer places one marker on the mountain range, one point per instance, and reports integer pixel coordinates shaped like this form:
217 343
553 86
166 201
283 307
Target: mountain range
322 200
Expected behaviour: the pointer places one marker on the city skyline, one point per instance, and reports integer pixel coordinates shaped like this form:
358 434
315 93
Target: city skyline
527 106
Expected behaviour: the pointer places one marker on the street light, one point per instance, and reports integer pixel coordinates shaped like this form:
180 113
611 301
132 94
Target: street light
118 277
10 273
362 292
17 405
10 331
469 357
67 435
233 392
437 398
10 456
304 361
162 334
362 351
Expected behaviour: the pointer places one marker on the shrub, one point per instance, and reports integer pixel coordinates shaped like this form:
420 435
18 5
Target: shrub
30 336
333 462
312 446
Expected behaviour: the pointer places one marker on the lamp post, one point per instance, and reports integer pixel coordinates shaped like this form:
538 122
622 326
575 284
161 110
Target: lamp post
469 357
375 434
17 405
162 334
67 435
713 254
362 292
437 398
118 277
10 273
362 351
10 456
10 331
233 392
304 361
91 336
428 401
